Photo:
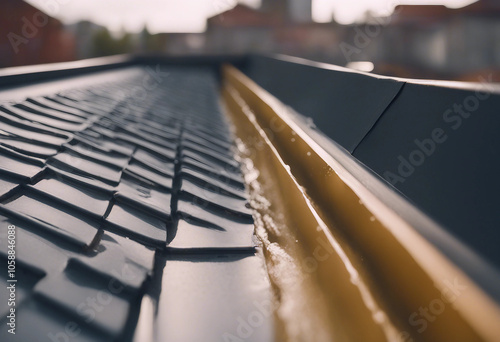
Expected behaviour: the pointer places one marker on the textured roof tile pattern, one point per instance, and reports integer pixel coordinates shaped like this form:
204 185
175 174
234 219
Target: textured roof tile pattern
97 180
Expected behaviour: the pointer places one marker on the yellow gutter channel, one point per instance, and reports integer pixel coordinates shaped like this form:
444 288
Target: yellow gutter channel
377 278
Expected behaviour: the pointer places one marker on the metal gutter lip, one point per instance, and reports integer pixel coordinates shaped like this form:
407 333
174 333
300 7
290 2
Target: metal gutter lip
23 75
84 64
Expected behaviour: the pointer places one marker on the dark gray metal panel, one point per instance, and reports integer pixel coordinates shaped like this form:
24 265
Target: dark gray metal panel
344 105
454 178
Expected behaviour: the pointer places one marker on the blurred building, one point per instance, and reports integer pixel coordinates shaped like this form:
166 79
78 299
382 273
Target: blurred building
422 41
30 36
455 43
84 33
289 10
280 26
425 41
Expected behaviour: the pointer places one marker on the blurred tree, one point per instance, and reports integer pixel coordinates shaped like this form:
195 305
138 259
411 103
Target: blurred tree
151 42
103 43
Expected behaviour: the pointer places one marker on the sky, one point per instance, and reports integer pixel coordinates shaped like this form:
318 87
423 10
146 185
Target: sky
191 15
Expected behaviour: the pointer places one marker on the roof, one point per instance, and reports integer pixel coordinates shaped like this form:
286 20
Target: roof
122 199
431 13
101 183
243 16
